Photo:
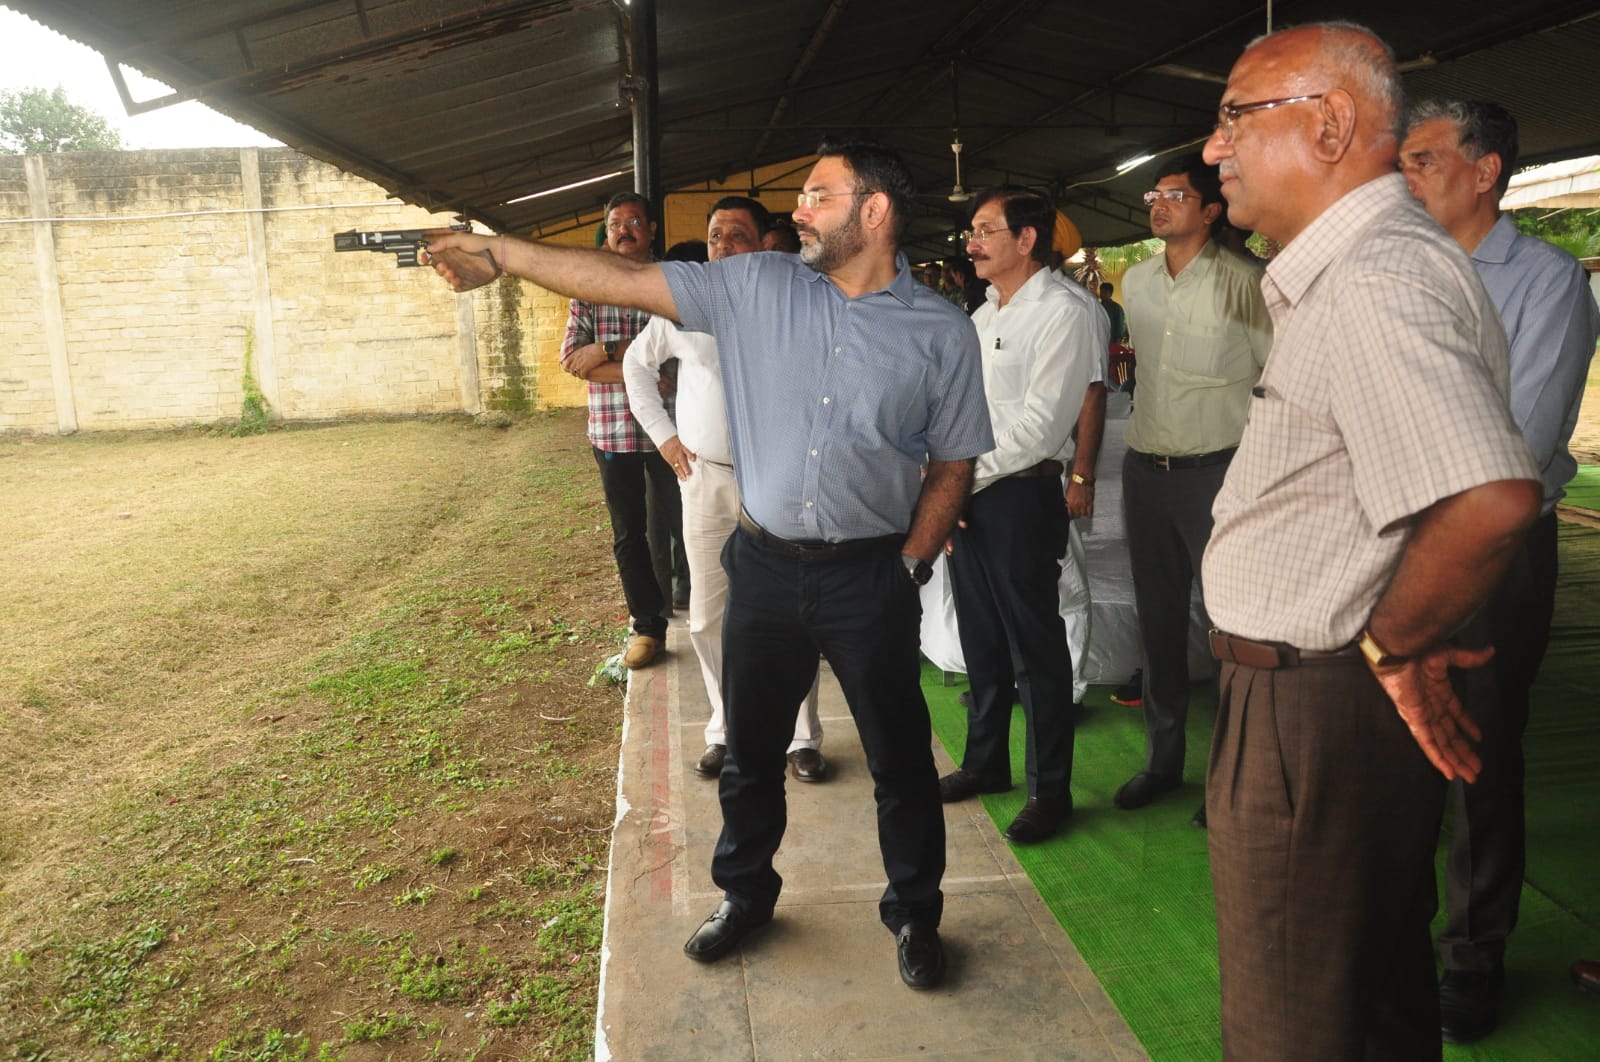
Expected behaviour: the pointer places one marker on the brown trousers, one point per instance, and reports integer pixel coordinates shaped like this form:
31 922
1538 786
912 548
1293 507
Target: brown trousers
1324 815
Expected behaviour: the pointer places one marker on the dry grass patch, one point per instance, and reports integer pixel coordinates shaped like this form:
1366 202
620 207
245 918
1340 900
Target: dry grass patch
303 760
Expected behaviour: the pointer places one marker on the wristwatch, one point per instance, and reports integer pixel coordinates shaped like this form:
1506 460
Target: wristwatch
919 570
610 347
1377 655
1087 481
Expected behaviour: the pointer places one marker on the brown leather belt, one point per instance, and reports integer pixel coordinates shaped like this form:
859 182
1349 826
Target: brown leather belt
1173 463
1270 656
1047 467
815 552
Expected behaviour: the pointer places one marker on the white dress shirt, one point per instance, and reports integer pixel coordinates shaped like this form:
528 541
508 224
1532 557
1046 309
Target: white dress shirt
702 423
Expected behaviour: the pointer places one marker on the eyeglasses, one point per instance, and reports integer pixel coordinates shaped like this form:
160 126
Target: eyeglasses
982 235
1229 113
630 223
812 200
1175 195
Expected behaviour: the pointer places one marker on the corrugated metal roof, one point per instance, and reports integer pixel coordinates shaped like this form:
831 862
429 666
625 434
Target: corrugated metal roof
471 105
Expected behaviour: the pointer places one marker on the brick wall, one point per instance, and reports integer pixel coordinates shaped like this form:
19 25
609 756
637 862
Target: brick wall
132 285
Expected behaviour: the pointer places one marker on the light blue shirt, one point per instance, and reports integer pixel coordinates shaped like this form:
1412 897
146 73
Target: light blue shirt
1543 298
833 403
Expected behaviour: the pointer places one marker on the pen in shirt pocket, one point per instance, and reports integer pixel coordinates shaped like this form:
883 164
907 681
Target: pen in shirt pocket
1263 391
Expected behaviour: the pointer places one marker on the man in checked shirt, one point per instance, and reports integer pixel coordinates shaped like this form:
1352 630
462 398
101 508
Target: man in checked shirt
597 337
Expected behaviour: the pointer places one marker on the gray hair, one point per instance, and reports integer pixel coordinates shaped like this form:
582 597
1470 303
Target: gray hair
1353 50
1482 127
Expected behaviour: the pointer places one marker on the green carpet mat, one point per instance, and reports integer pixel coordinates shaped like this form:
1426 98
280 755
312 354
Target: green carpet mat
1132 889
1584 490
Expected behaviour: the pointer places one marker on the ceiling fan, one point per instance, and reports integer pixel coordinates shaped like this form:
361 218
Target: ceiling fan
958 194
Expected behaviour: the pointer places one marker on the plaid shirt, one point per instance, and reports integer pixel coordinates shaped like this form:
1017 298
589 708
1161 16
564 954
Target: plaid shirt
612 426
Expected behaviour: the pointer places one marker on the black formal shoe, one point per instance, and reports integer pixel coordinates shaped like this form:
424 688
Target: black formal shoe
1040 819
1469 1004
808 765
961 784
1142 788
680 596
921 956
710 763
723 931
1199 818
1586 975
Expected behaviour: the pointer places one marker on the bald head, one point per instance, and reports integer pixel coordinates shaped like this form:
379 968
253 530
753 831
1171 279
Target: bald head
1309 114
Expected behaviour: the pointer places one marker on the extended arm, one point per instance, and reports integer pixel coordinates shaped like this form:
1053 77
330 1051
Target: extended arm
1457 552
592 275
944 493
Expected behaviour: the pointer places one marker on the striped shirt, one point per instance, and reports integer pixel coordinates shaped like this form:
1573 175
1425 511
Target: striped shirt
834 402
1385 392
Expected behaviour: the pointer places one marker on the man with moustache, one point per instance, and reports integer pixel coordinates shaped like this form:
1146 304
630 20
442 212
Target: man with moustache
597 337
1379 491
695 444
855 410
1457 159
1043 342
1201 332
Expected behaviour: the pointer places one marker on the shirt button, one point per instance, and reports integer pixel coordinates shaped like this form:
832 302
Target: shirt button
825 401
808 505
837 349
813 453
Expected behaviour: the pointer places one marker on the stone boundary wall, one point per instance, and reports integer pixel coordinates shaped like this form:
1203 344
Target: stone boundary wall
133 285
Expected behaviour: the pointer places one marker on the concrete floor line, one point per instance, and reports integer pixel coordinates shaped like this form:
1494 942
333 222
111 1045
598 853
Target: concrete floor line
820 981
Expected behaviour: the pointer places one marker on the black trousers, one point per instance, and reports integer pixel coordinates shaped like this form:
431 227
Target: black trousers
622 476
1168 519
1483 881
863 614
1323 819
1005 570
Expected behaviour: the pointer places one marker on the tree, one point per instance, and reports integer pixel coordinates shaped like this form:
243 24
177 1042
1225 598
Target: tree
40 122
1575 231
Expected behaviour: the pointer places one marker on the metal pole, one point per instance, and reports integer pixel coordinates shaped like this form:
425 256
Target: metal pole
646 127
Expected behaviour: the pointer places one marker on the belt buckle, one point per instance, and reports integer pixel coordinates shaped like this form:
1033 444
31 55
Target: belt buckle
1162 461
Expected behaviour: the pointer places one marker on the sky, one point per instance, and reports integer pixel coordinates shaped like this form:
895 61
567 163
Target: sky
34 57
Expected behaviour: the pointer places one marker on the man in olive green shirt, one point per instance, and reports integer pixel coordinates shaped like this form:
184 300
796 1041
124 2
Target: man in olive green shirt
1199 323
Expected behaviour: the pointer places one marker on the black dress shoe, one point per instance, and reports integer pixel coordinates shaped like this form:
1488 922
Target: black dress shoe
723 931
1469 1004
1199 818
1142 788
808 765
710 763
1040 819
921 956
961 784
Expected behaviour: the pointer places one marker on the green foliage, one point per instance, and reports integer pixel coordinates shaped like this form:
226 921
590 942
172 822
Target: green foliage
37 121
254 413
1575 231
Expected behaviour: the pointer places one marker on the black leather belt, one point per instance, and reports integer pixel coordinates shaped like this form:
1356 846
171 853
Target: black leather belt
1270 656
815 552
1172 463
1047 467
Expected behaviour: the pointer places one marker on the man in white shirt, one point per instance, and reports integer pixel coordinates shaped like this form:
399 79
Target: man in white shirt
1202 333
1044 341
697 449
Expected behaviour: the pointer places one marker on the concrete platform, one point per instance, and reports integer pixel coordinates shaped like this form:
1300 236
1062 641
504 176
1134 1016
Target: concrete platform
821 981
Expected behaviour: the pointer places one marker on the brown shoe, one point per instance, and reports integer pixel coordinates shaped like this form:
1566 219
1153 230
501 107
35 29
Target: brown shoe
642 651
1586 975
710 763
808 765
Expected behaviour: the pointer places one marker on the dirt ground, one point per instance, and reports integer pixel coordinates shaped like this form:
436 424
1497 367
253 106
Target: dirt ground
302 755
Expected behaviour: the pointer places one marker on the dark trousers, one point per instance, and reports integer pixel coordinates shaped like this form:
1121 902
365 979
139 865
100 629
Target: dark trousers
1168 519
1323 817
1004 571
622 476
863 614
668 557
1483 880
